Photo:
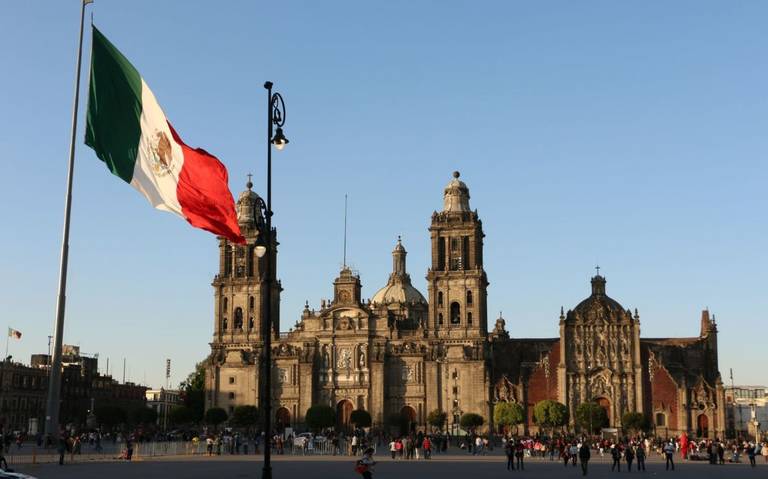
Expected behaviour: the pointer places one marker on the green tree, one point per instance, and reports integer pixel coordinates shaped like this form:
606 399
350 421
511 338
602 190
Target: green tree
471 421
591 417
245 416
320 416
550 414
215 416
360 418
142 416
110 416
193 392
180 415
436 419
635 422
506 415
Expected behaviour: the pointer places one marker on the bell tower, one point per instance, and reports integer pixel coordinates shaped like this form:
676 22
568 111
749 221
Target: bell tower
457 282
240 286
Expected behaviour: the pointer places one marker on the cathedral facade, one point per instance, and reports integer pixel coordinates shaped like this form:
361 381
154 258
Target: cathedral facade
401 355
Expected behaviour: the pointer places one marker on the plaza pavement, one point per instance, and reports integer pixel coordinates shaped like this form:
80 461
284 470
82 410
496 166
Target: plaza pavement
443 466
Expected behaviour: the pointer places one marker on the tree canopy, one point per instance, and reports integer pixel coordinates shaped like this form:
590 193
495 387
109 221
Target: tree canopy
437 418
180 415
142 415
245 416
550 414
591 417
361 418
110 416
506 414
320 416
193 392
471 421
215 416
635 421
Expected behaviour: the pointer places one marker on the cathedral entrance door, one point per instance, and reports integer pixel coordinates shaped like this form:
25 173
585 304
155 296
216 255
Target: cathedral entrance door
605 404
283 417
702 426
408 415
343 415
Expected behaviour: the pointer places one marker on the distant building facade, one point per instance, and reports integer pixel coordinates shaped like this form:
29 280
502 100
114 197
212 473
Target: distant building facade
747 412
162 401
401 354
24 391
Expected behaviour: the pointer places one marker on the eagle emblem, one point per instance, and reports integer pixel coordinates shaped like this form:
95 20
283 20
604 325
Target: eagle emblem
160 154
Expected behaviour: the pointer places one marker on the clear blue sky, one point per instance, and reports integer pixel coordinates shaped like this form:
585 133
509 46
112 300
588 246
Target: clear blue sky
630 134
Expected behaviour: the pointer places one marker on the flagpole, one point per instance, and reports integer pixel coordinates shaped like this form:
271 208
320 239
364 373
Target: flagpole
54 381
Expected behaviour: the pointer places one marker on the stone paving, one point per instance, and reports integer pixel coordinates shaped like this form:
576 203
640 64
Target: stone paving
453 466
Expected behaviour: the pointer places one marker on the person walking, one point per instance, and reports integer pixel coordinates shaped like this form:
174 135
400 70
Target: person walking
764 452
393 447
61 448
565 454
574 453
751 453
509 450
669 452
640 454
616 456
584 455
629 456
427 447
519 454
364 466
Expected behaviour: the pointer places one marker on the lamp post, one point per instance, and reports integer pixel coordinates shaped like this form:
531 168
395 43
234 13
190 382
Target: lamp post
265 249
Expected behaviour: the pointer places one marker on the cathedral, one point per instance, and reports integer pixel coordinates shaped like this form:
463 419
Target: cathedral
401 354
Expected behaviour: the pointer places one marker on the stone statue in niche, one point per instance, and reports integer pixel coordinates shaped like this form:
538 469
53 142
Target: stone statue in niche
362 360
326 357
624 345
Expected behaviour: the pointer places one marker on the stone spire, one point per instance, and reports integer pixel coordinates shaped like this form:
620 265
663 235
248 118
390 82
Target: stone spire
456 195
398 259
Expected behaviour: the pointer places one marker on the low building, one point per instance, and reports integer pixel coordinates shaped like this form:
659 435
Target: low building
23 392
746 405
162 401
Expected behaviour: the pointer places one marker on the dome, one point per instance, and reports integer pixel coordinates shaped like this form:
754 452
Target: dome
398 293
456 195
398 288
598 305
246 205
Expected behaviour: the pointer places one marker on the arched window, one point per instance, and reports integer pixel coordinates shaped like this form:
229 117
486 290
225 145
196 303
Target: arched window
439 318
469 298
455 313
661 419
250 302
224 324
238 318
225 304
250 323
439 298
469 318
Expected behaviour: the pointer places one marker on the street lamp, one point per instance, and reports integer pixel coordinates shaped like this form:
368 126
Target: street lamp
264 245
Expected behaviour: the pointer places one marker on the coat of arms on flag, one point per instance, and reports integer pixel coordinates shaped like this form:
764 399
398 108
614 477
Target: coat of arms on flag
12 333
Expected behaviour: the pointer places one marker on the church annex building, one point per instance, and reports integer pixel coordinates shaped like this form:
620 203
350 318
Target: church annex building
404 353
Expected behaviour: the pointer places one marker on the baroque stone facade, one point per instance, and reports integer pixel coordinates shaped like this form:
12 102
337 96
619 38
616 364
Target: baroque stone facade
398 354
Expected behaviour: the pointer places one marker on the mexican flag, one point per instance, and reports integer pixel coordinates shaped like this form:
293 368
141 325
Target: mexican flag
130 133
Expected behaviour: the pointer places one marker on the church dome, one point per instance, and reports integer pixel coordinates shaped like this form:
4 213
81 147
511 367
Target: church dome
398 288
456 195
398 293
247 205
598 305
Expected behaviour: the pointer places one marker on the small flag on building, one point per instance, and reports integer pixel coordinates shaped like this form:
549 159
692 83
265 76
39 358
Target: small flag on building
129 132
12 333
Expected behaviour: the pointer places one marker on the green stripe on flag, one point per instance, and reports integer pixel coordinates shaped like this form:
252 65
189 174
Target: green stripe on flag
114 108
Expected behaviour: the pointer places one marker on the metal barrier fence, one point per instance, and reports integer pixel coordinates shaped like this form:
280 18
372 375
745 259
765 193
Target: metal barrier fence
117 451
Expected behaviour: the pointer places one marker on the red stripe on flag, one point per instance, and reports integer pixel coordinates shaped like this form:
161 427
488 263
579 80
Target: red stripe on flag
203 193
